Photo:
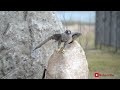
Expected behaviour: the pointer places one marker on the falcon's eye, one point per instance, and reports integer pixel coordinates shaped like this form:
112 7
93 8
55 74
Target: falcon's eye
68 31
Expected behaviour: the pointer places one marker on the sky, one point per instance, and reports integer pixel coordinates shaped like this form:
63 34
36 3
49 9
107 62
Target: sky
84 16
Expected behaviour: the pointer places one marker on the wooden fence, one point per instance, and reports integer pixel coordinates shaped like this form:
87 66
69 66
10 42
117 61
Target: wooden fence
107 31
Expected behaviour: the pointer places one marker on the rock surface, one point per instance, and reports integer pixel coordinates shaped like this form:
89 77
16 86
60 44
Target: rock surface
20 33
71 64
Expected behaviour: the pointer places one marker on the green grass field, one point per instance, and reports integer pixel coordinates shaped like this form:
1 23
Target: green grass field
103 61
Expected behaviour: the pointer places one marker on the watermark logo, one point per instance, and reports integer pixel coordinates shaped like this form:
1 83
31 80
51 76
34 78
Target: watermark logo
98 75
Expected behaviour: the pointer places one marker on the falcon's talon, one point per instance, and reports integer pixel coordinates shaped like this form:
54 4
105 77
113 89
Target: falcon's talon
62 50
57 50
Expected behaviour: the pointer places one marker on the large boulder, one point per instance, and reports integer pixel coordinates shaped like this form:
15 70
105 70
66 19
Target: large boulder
71 64
20 33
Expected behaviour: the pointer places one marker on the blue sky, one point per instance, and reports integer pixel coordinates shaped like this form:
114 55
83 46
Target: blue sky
84 16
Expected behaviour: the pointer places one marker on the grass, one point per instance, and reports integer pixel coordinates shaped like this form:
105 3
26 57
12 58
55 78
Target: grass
104 63
82 40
